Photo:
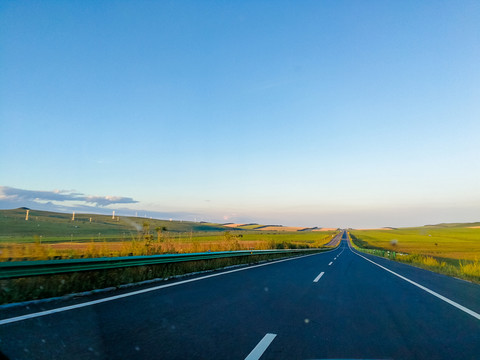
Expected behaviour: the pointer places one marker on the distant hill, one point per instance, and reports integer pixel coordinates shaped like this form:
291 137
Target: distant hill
451 225
436 226
45 224
50 226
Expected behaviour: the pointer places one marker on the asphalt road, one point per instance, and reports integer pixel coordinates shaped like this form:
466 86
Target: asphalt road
327 306
334 242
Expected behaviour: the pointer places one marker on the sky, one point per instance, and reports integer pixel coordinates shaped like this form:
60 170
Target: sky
306 113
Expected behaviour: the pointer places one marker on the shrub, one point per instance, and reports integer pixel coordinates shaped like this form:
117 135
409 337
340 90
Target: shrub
472 269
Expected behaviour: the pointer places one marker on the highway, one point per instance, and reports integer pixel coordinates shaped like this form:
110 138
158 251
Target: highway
334 305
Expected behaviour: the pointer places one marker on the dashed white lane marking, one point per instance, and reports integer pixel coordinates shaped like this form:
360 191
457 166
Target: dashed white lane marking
441 297
319 276
331 262
258 351
111 298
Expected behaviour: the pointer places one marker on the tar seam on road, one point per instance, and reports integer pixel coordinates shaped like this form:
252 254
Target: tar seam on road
258 351
441 297
99 301
318 277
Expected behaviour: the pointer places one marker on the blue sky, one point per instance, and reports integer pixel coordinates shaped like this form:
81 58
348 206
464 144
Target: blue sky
311 113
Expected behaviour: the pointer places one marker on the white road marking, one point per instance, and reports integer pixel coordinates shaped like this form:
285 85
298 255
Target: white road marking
258 351
116 297
318 277
331 262
441 297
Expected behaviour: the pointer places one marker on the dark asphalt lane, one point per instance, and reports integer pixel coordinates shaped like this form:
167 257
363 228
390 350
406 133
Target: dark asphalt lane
355 310
334 242
363 311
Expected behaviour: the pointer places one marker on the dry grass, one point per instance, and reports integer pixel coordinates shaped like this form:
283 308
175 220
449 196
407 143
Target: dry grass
148 244
471 269
15 252
421 259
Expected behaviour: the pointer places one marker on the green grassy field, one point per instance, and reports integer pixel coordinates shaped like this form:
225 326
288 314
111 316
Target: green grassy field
454 241
452 249
54 227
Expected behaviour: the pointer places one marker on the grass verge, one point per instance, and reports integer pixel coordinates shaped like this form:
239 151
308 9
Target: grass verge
165 243
463 269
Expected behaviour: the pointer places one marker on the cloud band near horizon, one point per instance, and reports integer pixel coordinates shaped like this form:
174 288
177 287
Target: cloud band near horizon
21 195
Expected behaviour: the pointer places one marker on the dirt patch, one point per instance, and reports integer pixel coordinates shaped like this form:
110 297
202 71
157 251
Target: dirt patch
233 225
281 228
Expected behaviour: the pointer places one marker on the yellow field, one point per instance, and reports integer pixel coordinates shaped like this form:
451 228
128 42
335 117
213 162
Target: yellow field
167 243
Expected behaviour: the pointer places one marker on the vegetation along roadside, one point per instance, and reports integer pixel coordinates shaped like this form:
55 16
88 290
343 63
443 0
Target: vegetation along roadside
450 249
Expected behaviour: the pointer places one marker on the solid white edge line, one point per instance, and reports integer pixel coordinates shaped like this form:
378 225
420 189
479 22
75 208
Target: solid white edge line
258 350
319 276
111 298
441 297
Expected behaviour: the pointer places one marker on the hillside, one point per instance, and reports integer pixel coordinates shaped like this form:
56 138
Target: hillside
46 224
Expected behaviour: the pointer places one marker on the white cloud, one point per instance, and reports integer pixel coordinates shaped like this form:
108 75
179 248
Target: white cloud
20 195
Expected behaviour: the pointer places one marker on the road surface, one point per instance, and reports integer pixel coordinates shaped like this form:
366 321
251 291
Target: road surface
336 239
330 305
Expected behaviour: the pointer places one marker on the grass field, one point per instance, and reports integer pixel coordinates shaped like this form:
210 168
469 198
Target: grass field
452 249
59 226
49 235
454 241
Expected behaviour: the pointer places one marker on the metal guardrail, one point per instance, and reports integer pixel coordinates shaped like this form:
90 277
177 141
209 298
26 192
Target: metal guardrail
18 269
